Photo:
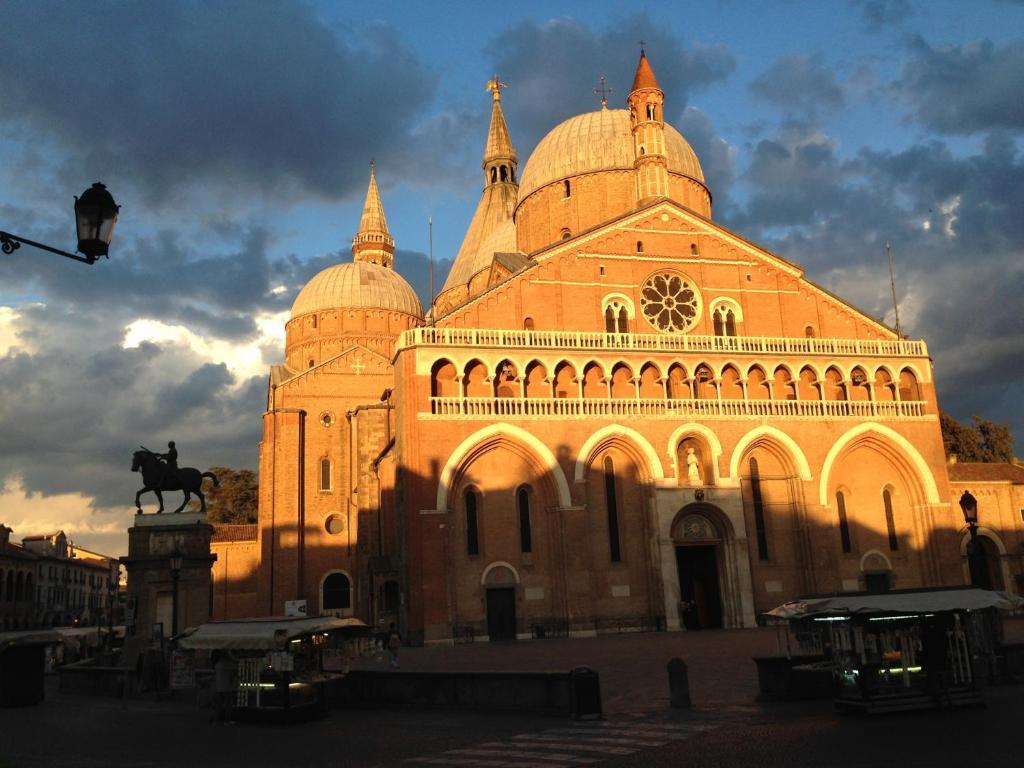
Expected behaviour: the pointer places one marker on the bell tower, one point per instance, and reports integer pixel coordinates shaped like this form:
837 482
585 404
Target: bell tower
373 242
647 120
500 159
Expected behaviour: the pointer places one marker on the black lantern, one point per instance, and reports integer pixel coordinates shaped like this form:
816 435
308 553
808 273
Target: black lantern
95 217
969 505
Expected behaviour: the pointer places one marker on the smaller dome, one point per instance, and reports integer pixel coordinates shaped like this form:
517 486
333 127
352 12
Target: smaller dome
357 284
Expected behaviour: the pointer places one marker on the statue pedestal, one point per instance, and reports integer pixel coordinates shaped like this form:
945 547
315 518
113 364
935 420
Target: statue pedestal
168 567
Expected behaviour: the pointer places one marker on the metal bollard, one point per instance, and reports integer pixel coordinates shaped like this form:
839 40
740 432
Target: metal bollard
678 684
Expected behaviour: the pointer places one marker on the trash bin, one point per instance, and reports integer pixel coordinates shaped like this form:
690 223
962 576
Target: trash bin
585 692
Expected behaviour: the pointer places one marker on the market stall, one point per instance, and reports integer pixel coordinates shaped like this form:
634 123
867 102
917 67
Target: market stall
284 664
906 649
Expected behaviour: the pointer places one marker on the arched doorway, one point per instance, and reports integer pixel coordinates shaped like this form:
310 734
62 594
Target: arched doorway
698 544
499 582
985 568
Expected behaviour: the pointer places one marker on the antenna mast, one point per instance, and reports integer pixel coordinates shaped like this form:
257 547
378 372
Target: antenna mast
892 282
430 239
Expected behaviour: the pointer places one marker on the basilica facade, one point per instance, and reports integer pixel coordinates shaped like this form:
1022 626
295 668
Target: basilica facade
617 415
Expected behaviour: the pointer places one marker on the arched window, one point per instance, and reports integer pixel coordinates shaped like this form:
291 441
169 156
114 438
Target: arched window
809 331
758 499
613 510
506 380
325 474
337 593
609 319
528 324
719 323
639 246
494 175
565 381
312 362
844 525
730 323
504 173
623 320
314 321
472 529
693 249
890 520
568 188
19 588
566 232
650 111
525 534
909 389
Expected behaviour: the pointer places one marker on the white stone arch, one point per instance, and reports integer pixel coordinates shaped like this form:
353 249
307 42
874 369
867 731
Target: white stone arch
788 367
1003 564
351 591
803 468
739 369
514 433
912 367
499 564
874 553
617 430
727 303
931 491
838 366
893 374
695 429
621 299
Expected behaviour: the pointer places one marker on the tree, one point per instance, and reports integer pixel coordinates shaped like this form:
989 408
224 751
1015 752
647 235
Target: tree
984 441
235 500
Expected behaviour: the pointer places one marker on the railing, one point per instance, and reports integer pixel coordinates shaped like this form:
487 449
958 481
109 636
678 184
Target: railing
514 407
506 339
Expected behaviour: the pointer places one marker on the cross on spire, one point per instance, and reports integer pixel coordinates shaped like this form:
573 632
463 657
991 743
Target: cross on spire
604 90
643 45
494 85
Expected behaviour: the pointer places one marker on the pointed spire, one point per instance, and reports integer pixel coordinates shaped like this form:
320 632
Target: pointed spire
373 242
499 143
644 77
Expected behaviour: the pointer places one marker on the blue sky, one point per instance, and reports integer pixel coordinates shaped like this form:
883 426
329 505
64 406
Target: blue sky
237 138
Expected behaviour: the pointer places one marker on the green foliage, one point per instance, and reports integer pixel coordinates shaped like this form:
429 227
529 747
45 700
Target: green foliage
235 500
984 441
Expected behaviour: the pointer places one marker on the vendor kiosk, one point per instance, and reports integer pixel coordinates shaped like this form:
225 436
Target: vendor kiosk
284 664
906 649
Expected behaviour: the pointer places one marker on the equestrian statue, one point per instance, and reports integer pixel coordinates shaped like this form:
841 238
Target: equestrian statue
160 472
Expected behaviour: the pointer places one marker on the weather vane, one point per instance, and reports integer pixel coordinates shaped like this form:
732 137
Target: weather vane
494 85
604 90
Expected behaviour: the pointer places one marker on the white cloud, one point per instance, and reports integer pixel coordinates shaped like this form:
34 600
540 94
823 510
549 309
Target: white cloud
28 514
244 359
9 340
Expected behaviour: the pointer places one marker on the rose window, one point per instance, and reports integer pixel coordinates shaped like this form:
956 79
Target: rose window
669 302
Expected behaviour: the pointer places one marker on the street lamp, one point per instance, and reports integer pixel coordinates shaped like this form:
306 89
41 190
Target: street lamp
969 506
95 217
176 561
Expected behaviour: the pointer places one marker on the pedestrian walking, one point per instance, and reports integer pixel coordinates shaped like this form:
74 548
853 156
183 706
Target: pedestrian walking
394 643
225 686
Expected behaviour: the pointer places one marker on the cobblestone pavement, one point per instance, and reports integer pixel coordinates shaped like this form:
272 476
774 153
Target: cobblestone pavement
725 728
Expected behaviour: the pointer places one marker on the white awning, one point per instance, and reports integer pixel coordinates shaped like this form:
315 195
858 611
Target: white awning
924 601
258 634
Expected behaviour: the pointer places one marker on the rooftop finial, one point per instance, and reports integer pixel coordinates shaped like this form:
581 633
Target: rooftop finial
604 90
643 45
494 85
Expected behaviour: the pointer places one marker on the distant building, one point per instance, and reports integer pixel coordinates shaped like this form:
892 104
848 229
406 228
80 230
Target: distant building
48 581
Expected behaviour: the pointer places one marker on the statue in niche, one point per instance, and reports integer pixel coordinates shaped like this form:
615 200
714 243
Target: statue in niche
692 468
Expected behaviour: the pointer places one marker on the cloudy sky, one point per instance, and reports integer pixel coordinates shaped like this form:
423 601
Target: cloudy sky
236 136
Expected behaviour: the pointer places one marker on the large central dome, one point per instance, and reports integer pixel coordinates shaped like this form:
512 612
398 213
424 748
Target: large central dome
598 141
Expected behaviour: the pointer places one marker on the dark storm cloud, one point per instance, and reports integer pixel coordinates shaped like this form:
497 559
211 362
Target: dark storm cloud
553 67
717 157
84 403
880 14
242 96
956 231
798 84
961 89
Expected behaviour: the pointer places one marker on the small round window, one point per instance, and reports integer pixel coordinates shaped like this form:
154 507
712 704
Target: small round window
327 418
334 524
669 302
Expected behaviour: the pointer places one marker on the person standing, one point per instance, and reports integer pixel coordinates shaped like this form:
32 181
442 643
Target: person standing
394 643
225 686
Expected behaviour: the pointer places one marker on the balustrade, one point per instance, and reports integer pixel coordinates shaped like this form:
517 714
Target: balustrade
514 407
576 340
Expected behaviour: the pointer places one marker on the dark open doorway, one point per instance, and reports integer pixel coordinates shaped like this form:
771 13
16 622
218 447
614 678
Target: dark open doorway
501 613
698 586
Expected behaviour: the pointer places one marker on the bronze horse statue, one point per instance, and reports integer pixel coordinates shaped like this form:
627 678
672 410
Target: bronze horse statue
156 479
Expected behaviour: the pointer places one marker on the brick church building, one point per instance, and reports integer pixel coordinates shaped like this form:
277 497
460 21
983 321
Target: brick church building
618 414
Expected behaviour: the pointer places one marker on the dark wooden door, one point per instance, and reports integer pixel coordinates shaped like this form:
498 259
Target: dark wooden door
501 614
698 586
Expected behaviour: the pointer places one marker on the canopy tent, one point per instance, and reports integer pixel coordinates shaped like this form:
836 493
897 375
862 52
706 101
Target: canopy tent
909 602
258 634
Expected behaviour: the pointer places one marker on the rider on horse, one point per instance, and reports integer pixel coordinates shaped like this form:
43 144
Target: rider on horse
170 463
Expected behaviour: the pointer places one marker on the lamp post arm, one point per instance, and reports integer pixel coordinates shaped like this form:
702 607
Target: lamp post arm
10 243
